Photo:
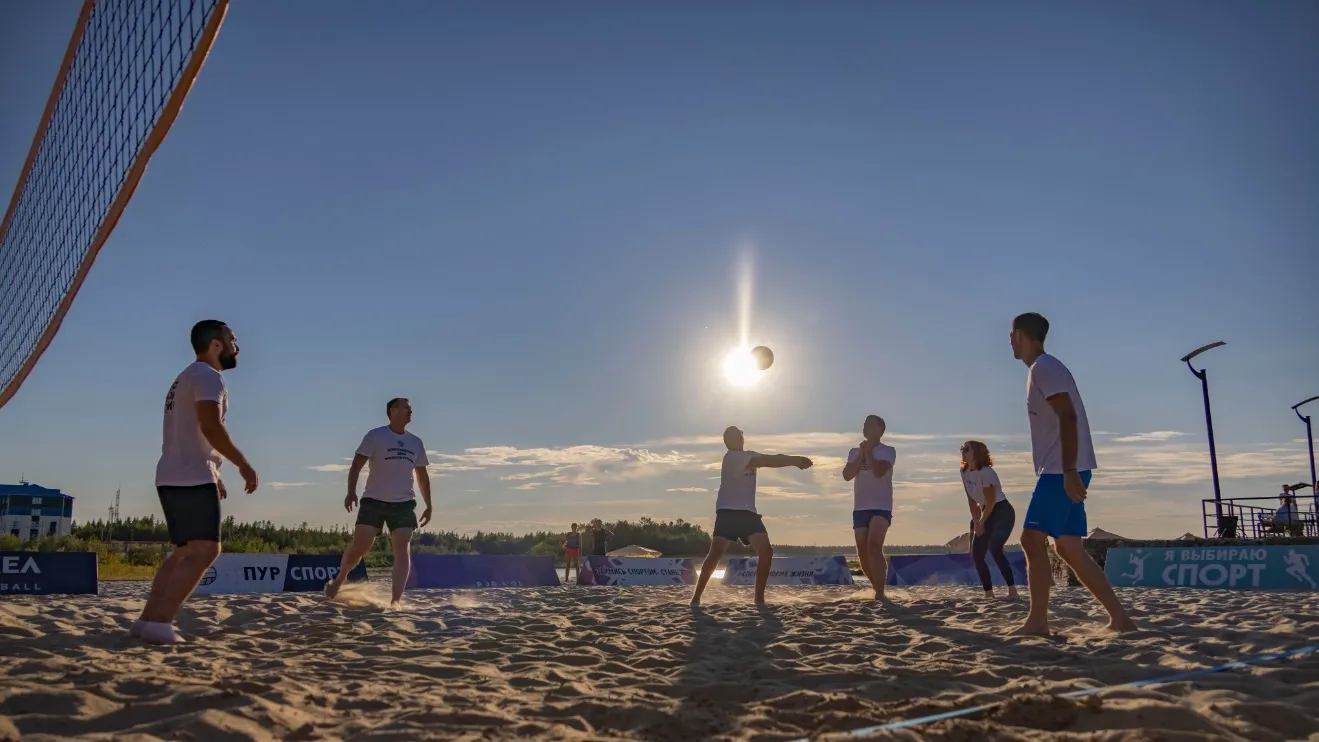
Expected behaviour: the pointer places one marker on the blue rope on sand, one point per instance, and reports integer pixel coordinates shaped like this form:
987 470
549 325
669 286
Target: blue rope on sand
908 723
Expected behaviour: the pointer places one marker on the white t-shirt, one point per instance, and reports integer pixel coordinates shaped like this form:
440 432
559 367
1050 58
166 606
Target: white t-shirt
737 482
870 492
187 459
976 480
393 459
1047 377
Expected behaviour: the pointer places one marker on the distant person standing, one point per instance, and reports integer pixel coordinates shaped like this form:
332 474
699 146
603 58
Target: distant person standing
600 538
735 516
992 516
397 457
870 470
1064 459
572 551
195 441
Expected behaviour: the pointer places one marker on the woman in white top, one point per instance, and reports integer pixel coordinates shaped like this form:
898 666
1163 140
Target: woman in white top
992 516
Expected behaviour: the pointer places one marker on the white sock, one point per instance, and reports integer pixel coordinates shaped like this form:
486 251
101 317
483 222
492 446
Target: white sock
136 629
159 633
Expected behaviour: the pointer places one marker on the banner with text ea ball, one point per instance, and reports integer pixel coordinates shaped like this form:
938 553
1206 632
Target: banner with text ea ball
1243 567
950 569
48 573
628 571
234 574
830 570
480 570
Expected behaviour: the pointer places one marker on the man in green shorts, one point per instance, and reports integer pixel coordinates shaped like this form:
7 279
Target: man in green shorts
396 457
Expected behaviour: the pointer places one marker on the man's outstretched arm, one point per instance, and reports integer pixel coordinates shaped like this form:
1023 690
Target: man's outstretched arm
779 461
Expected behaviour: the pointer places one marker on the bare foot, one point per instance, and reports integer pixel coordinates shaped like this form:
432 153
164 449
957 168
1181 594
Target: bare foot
332 588
1126 625
1029 629
1012 594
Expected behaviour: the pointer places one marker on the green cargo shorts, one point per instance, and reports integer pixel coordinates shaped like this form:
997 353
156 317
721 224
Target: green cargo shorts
391 515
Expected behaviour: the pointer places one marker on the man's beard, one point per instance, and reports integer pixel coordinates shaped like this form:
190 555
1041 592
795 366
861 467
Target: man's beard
228 361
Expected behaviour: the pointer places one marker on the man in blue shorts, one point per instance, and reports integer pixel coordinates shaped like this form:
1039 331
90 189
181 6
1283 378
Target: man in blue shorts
870 470
1064 459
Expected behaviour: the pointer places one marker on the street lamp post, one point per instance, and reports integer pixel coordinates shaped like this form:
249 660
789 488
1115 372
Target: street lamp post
1203 376
1309 439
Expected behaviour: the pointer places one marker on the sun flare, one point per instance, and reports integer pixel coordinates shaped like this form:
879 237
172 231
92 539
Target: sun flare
740 367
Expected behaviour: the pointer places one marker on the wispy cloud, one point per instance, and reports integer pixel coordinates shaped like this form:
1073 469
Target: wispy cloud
1150 437
329 467
688 489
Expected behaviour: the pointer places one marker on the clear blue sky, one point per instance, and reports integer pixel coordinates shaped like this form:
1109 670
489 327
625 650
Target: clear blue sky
528 219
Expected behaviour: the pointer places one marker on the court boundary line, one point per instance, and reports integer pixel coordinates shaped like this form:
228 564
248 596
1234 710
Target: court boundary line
1174 677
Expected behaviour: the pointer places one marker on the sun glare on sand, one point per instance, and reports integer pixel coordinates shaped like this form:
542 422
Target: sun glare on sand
740 367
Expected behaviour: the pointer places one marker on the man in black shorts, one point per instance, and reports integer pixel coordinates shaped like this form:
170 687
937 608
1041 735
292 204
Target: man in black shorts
396 457
735 517
188 477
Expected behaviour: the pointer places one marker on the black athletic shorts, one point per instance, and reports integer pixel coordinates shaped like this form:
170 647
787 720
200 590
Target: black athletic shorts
191 513
737 525
391 515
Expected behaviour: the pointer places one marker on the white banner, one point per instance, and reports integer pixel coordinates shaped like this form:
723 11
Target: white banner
245 573
830 570
628 571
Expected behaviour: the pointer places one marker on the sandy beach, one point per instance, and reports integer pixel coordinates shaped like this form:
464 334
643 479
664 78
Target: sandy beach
638 663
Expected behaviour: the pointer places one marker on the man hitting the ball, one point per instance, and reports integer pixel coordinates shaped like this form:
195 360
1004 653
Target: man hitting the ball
736 518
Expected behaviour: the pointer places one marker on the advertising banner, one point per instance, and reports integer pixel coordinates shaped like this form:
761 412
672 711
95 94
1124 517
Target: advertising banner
234 574
827 570
1228 567
480 570
628 571
48 573
950 569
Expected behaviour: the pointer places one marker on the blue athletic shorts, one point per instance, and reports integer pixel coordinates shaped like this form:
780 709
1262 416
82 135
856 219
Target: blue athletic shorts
1052 511
861 518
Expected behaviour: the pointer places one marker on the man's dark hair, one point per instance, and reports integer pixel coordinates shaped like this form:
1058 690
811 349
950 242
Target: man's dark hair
204 332
395 402
1033 324
879 419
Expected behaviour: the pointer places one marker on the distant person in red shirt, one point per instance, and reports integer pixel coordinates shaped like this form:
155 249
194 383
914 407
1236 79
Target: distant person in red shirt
572 551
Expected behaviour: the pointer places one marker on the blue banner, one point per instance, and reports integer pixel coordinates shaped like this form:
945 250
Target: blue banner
310 572
479 570
950 569
1225 567
48 573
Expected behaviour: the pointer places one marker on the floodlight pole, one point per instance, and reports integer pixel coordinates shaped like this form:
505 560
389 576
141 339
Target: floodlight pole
1309 439
1203 376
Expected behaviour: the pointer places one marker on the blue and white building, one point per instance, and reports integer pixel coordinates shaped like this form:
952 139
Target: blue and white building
30 511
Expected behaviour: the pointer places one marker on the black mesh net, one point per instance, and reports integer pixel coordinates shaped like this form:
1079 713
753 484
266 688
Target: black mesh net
132 55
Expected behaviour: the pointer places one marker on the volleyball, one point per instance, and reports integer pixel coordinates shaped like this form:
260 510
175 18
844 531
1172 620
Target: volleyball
764 357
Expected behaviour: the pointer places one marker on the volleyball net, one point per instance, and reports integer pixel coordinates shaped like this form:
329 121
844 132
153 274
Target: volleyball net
127 69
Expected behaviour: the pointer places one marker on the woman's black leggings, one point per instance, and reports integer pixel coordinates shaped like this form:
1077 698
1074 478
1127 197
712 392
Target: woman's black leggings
997 530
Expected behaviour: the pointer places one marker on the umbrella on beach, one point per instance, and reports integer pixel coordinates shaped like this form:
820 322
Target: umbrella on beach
634 551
